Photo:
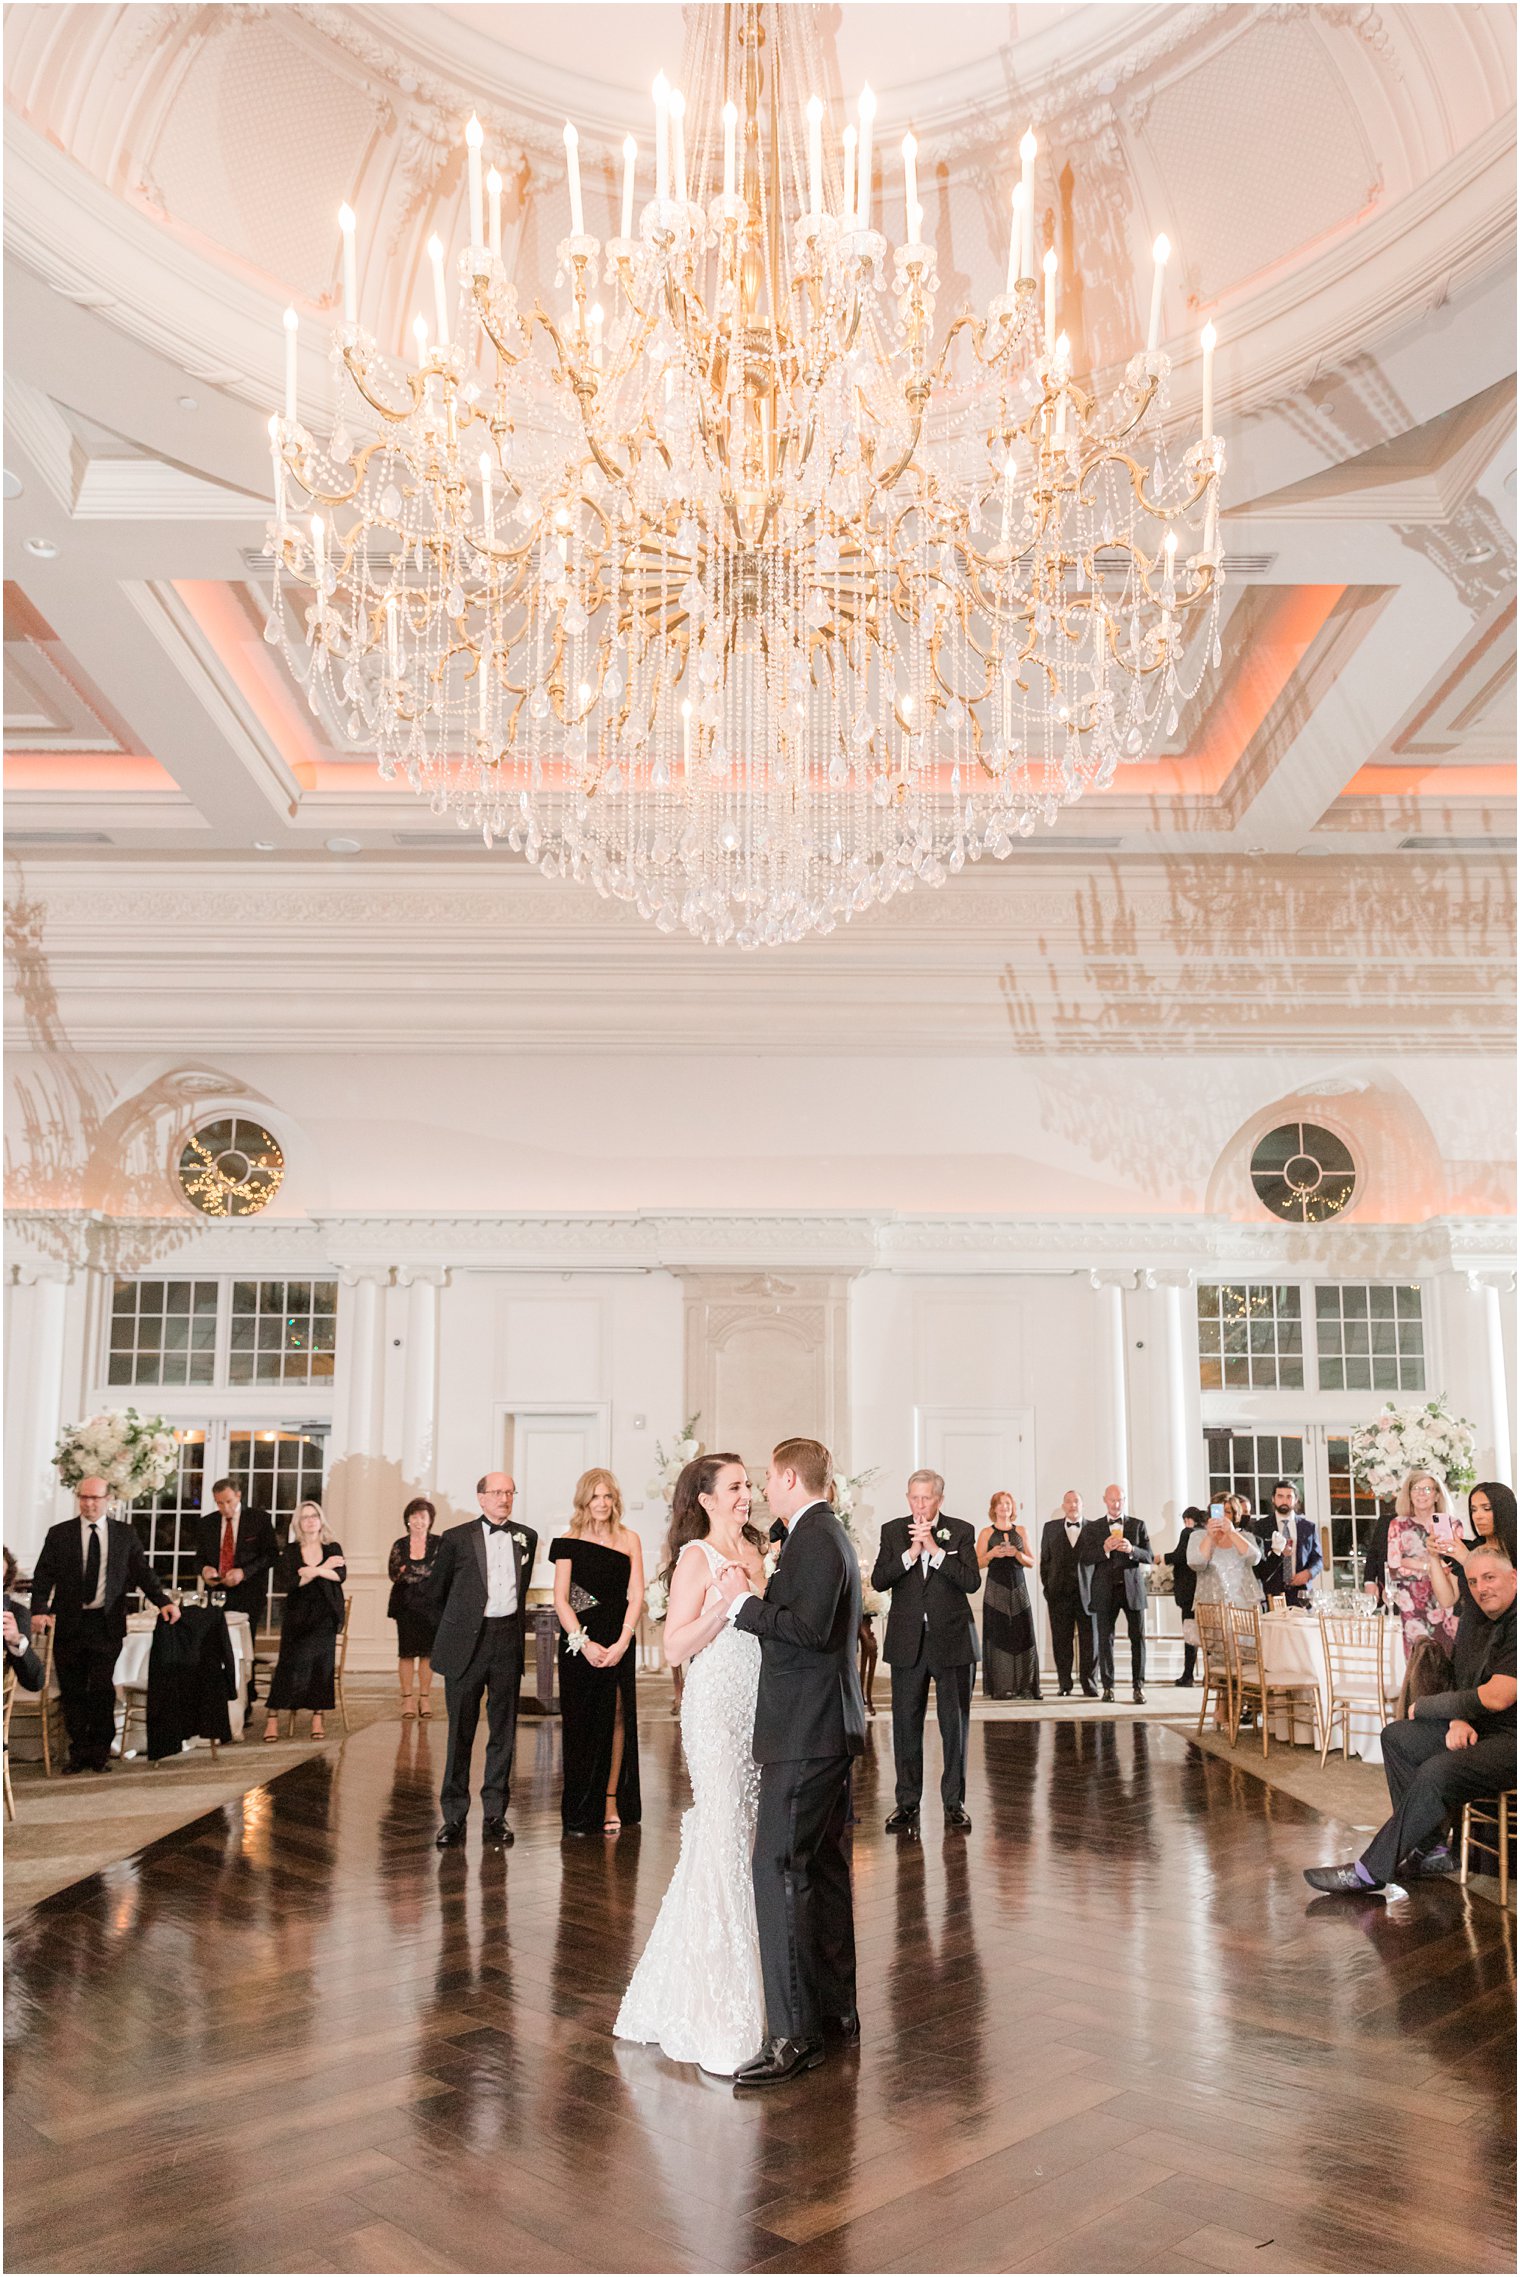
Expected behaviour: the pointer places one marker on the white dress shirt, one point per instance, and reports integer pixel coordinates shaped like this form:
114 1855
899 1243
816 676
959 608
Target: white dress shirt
501 1572
96 1603
1073 1529
923 1560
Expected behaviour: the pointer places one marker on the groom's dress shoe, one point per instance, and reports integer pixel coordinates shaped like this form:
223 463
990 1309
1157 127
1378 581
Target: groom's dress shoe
778 2060
845 2028
904 1820
958 1819
450 1834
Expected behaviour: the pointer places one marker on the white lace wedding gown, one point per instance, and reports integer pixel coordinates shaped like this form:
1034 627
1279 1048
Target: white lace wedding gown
697 1990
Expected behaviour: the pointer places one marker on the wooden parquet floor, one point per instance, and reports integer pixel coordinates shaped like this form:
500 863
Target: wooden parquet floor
1109 2032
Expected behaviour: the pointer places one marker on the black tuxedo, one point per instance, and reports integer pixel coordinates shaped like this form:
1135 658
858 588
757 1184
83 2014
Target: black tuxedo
478 1657
810 1720
1272 1573
254 1554
1061 1581
1116 1585
930 1635
87 1639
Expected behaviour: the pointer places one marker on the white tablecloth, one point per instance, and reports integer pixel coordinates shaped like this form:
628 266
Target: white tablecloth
1295 1654
131 1673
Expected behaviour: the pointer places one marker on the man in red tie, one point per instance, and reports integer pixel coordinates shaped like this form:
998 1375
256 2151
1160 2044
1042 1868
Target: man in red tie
235 1549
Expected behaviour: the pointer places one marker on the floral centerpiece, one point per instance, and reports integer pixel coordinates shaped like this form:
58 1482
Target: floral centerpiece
135 1454
1405 1439
662 1488
847 1496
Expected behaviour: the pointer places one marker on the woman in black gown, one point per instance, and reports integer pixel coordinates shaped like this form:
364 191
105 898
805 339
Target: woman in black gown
311 1572
598 1595
1010 1657
412 1558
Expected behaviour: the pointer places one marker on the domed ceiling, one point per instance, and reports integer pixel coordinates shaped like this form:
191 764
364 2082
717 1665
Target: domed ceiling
1337 181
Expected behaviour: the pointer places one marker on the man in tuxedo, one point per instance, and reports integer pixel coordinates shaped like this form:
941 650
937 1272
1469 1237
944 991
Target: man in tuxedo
1061 1580
479 1590
1114 1551
234 1551
810 1722
1288 1569
928 1563
86 1566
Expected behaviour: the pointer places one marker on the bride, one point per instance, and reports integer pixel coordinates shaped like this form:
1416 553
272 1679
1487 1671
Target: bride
697 1989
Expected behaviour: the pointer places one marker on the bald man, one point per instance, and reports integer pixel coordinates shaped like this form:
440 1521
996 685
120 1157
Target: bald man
85 1568
480 1590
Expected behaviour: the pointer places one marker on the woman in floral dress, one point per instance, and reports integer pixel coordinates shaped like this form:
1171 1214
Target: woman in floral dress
1421 1520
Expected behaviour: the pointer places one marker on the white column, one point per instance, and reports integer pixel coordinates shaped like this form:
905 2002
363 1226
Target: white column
419 1399
1500 1446
1177 1433
1112 1378
36 1323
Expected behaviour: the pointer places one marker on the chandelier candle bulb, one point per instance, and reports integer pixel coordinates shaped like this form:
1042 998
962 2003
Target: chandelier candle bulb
815 154
474 137
730 130
1051 265
910 187
1028 149
630 164
1016 240
863 171
678 143
350 279
847 210
292 324
440 290
573 180
493 191
1161 254
661 139
1210 336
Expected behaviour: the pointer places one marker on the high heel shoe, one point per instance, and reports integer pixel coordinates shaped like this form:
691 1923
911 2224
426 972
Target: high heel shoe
408 1707
423 1710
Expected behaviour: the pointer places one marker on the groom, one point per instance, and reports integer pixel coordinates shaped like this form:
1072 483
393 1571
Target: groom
809 1721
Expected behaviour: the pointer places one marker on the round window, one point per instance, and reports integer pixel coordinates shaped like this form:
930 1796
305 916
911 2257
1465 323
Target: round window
1303 1173
231 1168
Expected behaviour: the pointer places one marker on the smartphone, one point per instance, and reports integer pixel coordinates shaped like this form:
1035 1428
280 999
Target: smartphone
1216 1509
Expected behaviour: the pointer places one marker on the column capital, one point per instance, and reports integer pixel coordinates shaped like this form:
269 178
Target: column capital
360 1276
422 1276
1114 1277
35 1272
1498 1283
1167 1277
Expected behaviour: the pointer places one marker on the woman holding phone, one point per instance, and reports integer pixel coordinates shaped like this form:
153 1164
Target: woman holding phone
1225 1557
1421 1524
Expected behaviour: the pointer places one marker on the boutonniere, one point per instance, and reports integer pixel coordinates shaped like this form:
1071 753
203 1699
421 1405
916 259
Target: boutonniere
771 1560
520 1539
942 1533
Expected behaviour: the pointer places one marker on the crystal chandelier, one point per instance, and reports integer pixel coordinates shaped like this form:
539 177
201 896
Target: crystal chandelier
731 587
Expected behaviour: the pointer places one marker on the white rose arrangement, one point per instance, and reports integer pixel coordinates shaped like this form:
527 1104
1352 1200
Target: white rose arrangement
847 1496
135 1454
662 1488
1405 1439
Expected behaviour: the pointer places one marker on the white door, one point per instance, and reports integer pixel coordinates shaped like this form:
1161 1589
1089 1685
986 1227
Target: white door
979 1452
549 1450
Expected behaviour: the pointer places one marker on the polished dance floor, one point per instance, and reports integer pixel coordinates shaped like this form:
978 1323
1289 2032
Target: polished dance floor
1107 2033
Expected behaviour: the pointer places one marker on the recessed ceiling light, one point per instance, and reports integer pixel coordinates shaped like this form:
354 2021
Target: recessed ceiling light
342 845
12 484
43 548
188 402
263 845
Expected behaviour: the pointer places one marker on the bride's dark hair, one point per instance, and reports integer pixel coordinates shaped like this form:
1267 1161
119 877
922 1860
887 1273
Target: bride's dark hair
688 1519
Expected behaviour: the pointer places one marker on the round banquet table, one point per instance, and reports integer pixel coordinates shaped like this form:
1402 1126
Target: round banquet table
1295 1654
131 1674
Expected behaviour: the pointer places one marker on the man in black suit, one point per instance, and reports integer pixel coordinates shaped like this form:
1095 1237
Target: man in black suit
85 1568
480 1591
810 1721
1289 1568
1115 1551
928 1562
1061 1580
234 1551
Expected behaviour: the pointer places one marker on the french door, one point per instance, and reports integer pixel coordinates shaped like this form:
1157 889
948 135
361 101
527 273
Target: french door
276 1465
1314 1457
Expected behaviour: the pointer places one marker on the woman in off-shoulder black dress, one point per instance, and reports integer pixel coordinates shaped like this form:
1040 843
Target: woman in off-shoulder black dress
598 1596
311 1573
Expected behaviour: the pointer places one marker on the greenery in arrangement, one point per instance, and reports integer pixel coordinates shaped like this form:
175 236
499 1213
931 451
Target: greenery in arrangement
135 1454
1405 1439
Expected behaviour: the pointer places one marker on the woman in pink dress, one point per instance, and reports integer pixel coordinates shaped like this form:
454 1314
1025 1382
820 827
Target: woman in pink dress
1422 1518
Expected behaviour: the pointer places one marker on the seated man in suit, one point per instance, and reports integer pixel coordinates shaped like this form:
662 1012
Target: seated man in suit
1115 1550
928 1563
86 1566
1454 1748
235 1549
479 1590
1060 1578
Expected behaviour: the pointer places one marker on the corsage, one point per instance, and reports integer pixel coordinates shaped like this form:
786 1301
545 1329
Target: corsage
576 1641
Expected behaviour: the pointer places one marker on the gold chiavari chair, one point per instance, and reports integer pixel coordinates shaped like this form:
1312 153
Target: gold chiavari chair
1489 1811
342 1663
1255 1690
10 1702
46 1704
1218 1666
1356 1674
